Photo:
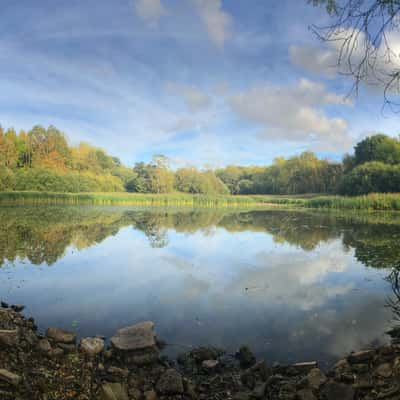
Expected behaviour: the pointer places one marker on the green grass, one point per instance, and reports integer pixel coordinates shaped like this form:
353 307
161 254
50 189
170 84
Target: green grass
130 199
374 201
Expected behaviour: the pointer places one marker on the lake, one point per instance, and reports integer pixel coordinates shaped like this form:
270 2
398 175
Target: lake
292 285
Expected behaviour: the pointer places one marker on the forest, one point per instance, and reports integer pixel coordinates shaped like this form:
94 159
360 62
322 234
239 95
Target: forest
42 159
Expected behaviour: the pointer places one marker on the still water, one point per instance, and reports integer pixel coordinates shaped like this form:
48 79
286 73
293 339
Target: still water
292 285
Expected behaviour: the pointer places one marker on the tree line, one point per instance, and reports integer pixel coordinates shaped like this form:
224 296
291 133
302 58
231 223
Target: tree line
42 159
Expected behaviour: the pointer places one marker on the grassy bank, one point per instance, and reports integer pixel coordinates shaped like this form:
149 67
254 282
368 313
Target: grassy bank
376 202
131 199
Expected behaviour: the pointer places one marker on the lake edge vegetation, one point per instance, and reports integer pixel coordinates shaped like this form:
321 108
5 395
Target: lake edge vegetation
41 165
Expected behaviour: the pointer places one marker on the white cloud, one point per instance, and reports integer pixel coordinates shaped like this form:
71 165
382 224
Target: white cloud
294 113
217 22
150 10
194 99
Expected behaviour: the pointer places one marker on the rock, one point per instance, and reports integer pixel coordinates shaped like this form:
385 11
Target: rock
9 338
44 346
68 348
241 396
210 365
150 395
361 357
118 371
56 353
136 337
18 307
61 336
259 391
303 367
335 391
170 382
142 357
305 394
206 353
316 378
10 377
246 357
92 346
3 304
384 370
135 394
113 391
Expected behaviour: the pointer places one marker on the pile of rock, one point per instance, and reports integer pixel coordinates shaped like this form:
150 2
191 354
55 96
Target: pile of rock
56 366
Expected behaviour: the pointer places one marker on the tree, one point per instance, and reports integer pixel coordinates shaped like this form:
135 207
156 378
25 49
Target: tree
377 148
362 33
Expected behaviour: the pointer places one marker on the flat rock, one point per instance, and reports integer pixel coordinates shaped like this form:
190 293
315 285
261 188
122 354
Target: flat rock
113 391
10 377
136 337
303 367
61 336
361 357
170 382
92 346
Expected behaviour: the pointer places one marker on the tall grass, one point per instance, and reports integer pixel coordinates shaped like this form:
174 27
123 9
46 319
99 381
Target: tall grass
129 199
374 201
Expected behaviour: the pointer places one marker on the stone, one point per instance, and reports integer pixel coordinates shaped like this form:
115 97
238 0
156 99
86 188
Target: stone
246 357
56 353
150 395
113 391
170 382
9 338
92 346
68 348
136 337
241 396
259 391
118 371
316 378
303 367
210 365
384 370
361 357
142 357
335 391
201 354
305 394
10 377
61 336
18 307
44 346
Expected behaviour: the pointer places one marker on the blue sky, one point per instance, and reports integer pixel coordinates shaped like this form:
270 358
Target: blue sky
205 82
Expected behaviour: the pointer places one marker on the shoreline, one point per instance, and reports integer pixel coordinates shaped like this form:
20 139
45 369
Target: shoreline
55 366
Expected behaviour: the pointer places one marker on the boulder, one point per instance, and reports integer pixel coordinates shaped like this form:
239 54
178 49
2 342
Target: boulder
113 391
61 336
136 337
92 346
170 382
384 370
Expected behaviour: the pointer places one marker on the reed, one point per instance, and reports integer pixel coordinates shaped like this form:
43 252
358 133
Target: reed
373 201
177 199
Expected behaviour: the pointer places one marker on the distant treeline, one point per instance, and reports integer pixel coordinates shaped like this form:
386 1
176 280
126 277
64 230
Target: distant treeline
42 160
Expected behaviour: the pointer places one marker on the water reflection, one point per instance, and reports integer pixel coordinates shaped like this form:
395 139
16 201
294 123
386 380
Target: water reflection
293 285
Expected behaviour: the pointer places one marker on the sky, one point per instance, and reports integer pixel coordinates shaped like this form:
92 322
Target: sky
205 82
